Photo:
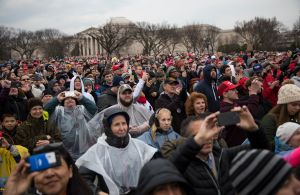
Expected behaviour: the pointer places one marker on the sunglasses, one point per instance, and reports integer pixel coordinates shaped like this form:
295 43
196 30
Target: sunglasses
25 79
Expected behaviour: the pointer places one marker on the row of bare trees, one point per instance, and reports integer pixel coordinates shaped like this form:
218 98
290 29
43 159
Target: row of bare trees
51 41
155 38
259 33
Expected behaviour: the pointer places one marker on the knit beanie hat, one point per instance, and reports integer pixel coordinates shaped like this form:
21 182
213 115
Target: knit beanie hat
288 93
286 131
258 172
34 102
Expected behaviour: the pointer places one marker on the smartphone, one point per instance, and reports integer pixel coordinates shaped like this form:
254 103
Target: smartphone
70 94
44 161
228 118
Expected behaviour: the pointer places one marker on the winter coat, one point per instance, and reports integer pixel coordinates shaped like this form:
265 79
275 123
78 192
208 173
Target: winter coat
268 93
232 134
11 104
106 99
175 105
160 137
32 130
209 88
198 173
269 123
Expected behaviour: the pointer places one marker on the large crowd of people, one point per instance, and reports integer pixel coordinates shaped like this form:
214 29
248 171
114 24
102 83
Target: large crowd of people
152 125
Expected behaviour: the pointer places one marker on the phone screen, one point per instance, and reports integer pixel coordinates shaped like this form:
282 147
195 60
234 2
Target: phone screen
69 94
228 118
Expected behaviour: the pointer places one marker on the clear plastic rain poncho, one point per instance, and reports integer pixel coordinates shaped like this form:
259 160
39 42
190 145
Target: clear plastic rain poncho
76 135
120 167
138 115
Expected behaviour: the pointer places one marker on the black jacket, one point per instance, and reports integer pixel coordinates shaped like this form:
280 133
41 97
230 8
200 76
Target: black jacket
175 105
200 176
13 105
107 99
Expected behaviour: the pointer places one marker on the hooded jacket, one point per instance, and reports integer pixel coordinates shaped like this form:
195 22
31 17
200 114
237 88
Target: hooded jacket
159 172
208 87
85 94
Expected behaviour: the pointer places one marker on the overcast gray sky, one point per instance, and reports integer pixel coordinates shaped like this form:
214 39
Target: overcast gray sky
72 16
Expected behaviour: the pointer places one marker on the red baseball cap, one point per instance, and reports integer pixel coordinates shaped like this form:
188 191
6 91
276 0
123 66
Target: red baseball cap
226 86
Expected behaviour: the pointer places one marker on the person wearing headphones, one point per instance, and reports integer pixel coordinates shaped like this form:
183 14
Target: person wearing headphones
161 129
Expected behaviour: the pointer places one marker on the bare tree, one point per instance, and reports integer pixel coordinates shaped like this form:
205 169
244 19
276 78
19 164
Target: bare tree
112 36
174 38
296 33
153 37
53 42
5 36
24 42
192 37
210 36
260 33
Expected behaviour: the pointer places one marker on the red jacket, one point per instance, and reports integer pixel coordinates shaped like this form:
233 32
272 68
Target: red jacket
268 93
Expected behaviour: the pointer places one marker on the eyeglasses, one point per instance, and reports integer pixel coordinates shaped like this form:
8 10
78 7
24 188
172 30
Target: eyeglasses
26 79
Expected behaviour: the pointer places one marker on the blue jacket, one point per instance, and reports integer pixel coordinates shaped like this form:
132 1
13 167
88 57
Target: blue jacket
161 138
281 148
208 87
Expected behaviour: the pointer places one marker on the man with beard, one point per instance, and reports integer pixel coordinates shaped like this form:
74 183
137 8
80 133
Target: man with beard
139 115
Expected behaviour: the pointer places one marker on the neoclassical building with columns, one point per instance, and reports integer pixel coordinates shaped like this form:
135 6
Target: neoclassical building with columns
88 46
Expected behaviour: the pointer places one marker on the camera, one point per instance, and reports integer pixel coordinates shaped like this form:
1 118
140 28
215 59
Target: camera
44 161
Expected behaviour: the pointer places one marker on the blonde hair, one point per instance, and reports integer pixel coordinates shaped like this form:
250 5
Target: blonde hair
158 114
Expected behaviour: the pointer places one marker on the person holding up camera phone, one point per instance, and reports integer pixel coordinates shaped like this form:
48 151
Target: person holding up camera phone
77 109
229 94
56 173
201 160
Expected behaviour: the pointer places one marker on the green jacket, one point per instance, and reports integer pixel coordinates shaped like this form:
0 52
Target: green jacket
269 124
32 130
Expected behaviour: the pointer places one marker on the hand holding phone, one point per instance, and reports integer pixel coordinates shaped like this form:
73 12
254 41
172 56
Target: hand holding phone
247 121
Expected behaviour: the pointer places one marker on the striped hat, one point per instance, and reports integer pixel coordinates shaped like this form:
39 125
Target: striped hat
258 172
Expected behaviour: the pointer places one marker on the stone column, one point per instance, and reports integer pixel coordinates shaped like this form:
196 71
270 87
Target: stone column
83 44
80 50
92 46
89 46
96 48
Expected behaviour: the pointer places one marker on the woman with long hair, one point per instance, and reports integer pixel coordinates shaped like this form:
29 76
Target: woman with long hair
286 110
196 104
